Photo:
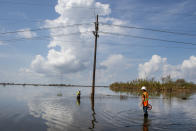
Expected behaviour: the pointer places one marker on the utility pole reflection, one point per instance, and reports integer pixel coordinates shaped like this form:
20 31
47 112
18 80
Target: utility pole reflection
93 121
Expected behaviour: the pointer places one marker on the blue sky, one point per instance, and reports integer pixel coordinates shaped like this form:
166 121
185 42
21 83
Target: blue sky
69 59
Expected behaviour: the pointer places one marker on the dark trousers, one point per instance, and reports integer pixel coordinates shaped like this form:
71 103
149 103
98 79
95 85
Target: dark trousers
145 109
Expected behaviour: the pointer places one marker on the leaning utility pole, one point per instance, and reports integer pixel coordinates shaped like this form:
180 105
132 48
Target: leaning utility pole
95 55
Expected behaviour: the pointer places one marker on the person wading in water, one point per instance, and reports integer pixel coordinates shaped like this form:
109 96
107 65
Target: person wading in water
78 95
145 101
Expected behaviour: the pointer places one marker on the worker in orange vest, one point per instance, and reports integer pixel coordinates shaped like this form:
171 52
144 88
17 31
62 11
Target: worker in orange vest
145 100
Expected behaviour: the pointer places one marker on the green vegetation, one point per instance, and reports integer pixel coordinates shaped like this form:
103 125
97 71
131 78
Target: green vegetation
59 94
167 87
166 84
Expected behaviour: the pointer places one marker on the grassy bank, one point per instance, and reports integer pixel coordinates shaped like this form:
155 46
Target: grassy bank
167 84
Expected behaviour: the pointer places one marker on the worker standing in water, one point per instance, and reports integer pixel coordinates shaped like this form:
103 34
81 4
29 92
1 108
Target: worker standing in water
145 101
78 94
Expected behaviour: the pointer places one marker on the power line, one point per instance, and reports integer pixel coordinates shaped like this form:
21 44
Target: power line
104 43
91 18
148 38
150 29
140 45
68 43
38 20
40 37
44 28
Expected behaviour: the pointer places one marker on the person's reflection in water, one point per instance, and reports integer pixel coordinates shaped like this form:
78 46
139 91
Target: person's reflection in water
146 123
78 97
93 121
78 102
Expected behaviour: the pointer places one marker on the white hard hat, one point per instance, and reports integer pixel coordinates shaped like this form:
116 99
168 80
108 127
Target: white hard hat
143 88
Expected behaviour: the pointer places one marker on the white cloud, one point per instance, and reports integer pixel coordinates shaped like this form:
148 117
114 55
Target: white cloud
112 60
73 57
114 68
56 61
149 68
159 65
103 9
2 43
185 70
26 33
114 29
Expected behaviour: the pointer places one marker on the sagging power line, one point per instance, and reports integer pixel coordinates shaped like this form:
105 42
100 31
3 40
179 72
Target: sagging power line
44 28
147 38
89 18
49 38
40 37
151 29
110 33
145 45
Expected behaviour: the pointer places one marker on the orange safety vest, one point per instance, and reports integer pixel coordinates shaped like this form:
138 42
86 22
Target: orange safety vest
145 96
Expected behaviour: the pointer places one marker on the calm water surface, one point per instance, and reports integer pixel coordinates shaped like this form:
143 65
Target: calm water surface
41 109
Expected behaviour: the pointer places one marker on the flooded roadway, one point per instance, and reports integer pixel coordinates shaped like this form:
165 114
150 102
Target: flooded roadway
41 109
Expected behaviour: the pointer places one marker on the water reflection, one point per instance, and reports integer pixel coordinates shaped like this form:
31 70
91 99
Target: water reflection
93 121
123 97
181 93
146 123
78 102
108 111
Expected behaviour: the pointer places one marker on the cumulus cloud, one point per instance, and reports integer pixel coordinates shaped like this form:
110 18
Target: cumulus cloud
185 70
2 43
114 68
56 61
75 52
106 28
113 60
159 65
152 66
27 33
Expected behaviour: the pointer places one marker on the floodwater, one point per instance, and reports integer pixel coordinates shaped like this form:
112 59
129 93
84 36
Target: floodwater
42 109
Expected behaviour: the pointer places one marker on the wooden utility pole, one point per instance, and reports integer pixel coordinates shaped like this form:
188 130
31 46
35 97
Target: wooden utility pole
95 55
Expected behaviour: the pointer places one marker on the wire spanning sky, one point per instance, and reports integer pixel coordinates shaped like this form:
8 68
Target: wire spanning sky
51 41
